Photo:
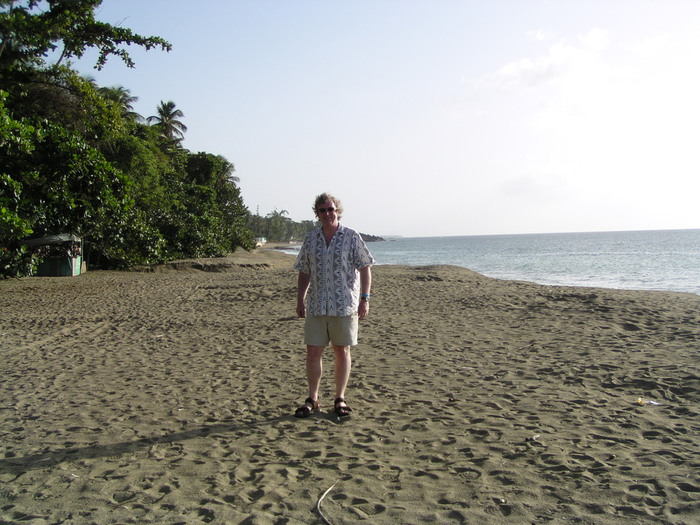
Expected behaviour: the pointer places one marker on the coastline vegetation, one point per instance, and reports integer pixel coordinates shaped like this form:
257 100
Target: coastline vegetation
277 227
76 158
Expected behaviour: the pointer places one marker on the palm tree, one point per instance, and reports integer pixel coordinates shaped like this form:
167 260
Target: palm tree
122 96
227 175
168 121
277 229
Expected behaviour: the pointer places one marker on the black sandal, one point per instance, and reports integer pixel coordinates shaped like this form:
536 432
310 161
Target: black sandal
341 411
306 409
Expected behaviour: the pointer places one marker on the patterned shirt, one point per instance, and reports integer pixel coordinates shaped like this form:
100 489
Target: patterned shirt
334 287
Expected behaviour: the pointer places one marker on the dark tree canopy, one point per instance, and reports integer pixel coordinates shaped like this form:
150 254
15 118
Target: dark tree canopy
76 158
168 122
32 29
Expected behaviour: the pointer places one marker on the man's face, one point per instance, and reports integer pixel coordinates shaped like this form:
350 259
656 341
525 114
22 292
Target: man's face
327 213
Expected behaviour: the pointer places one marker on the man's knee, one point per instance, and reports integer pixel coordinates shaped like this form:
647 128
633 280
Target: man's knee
341 350
315 351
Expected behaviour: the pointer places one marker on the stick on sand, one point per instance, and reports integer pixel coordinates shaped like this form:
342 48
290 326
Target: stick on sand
318 504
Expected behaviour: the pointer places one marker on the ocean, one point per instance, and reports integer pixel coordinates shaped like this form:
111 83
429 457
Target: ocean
667 260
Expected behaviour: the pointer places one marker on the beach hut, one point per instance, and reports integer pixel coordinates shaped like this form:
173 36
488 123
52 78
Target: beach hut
62 254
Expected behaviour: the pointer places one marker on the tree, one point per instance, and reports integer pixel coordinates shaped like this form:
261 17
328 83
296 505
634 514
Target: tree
123 98
275 227
17 139
225 209
53 181
74 157
168 121
29 33
225 174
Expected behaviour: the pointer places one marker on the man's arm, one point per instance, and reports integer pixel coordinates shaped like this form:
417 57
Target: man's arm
365 287
302 286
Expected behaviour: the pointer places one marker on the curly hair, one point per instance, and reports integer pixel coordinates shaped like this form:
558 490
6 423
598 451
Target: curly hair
321 199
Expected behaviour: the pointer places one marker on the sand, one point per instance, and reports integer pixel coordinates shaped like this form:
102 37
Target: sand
167 397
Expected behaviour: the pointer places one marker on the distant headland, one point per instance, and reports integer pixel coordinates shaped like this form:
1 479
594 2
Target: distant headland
370 238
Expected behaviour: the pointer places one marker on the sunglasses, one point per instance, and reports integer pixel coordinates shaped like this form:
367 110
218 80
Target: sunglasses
324 210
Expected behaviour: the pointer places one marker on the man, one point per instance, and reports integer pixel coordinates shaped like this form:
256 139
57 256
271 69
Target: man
334 267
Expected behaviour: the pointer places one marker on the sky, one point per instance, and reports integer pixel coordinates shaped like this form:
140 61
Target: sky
435 117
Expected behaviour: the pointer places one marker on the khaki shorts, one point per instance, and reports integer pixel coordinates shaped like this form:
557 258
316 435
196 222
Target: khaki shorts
319 330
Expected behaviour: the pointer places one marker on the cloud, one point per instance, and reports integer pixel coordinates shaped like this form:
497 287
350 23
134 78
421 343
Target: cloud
537 35
525 72
560 59
596 39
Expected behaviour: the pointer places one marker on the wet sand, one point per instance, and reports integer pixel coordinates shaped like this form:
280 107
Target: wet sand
167 397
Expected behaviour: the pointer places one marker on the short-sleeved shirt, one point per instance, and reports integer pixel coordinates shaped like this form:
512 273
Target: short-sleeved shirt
334 287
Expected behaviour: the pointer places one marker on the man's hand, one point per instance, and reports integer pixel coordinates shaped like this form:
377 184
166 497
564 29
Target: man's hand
363 309
302 286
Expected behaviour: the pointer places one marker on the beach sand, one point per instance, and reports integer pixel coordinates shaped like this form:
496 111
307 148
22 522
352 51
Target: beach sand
167 397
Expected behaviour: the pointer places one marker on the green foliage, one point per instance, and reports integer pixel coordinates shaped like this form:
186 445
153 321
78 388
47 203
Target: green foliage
167 122
122 97
16 140
124 243
276 227
75 159
62 184
30 32
59 95
213 207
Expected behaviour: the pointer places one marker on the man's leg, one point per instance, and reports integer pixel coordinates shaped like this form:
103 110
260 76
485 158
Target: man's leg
343 363
314 369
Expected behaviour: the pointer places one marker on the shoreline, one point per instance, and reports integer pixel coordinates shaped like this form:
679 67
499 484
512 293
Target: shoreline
628 260
164 396
278 248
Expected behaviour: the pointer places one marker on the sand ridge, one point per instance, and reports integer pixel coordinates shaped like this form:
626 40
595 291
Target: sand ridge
167 397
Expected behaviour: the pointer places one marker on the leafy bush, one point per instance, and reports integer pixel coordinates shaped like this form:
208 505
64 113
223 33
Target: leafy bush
75 159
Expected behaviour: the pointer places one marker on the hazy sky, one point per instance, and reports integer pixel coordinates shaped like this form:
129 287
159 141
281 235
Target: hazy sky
436 117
